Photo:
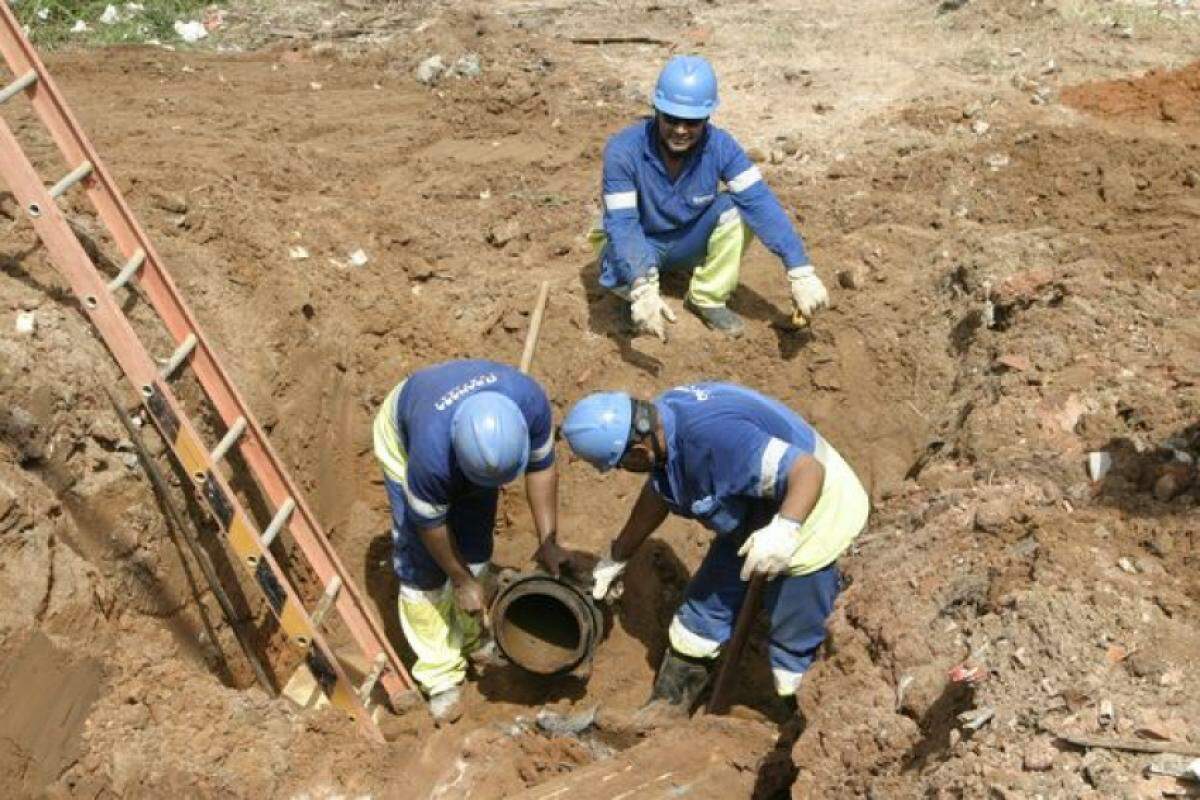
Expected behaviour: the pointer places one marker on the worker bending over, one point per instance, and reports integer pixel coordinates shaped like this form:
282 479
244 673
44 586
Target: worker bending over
778 498
665 209
448 437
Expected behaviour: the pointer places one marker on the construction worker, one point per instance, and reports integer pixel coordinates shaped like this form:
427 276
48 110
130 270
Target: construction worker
448 437
664 209
778 498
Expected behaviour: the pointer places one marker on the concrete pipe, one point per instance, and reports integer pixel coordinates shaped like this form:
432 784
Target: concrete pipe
545 625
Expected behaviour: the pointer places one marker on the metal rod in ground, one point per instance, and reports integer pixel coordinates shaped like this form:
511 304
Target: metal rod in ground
535 327
718 702
175 519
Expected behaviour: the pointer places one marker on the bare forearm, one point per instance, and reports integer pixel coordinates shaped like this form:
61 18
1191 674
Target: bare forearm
805 479
439 544
648 513
541 488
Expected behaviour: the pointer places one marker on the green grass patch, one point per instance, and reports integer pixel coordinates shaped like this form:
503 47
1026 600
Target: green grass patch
52 23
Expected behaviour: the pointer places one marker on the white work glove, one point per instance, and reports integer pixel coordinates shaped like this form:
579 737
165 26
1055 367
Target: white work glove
808 293
648 307
603 575
770 549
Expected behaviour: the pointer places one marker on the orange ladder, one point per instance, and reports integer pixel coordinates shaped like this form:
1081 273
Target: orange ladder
242 432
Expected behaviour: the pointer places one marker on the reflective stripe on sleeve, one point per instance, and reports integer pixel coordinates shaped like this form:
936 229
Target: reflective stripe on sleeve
540 453
620 201
772 455
745 180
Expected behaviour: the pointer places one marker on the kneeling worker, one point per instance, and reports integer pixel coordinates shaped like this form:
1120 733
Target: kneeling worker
448 437
778 497
665 209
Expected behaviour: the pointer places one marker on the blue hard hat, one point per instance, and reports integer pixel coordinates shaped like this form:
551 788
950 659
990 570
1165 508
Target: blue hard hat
491 439
597 428
687 88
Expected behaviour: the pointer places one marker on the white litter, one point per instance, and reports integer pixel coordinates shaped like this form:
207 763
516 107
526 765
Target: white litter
1099 462
42 13
110 16
190 32
358 258
134 8
79 27
297 253
26 322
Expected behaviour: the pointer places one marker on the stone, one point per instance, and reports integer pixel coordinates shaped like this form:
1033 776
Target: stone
853 278
501 234
777 157
430 70
991 517
757 155
170 202
1038 756
979 127
468 66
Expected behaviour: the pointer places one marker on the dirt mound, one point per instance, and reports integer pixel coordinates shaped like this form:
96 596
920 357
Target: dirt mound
1171 96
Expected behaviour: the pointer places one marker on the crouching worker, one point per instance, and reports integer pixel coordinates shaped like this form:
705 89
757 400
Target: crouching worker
448 437
777 497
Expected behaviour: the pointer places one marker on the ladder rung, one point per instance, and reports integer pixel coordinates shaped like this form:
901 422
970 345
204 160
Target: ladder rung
229 439
70 179
16 87
131 266
281 518
183 351
368 686
327 600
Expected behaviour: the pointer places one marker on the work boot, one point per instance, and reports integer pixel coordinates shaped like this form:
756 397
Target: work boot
718 318
446 706
677 688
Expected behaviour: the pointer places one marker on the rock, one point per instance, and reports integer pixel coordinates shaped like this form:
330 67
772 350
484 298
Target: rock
1099 462
1038 756
777 157
996 162
757 155
1172 479
1012 361
297 253
853 278
1127 566
991 517
972 110
501 234
170 202
979 127
468 66
1191 178
430 70
358 258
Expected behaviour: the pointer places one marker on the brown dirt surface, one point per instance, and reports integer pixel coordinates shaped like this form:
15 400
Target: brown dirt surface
1017 225
1161 95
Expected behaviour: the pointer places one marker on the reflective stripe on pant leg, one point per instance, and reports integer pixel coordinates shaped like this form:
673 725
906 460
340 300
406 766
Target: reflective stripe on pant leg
429 621
799 608
714 280
711 601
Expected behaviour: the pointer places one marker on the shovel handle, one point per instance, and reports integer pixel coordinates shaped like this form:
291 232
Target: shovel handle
718 702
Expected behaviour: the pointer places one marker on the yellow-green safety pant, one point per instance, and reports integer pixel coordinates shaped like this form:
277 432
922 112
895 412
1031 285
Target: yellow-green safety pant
440 633
714 256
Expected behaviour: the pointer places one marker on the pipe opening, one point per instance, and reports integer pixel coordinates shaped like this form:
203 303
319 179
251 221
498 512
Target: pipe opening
541 634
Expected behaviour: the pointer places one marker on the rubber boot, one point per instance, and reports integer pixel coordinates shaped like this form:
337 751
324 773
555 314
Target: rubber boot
677 688
718 318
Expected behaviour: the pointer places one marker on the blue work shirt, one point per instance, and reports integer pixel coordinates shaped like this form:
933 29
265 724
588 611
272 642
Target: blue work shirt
641 200
423 412
729 451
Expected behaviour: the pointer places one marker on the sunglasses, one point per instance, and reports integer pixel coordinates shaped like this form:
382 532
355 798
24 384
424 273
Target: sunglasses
687 123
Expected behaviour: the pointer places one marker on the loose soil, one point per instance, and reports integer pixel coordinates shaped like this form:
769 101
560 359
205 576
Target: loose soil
1003 199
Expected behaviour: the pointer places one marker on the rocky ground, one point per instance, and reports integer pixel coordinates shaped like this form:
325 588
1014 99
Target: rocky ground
1003 197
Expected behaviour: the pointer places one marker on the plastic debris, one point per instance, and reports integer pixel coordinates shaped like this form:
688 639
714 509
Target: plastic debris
26 322
79 27
110 16
1127 566
1099 462
1108 715
297 253
358 258
191 32
42 13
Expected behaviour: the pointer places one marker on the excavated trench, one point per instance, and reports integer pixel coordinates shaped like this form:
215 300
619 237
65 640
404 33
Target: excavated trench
916 376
